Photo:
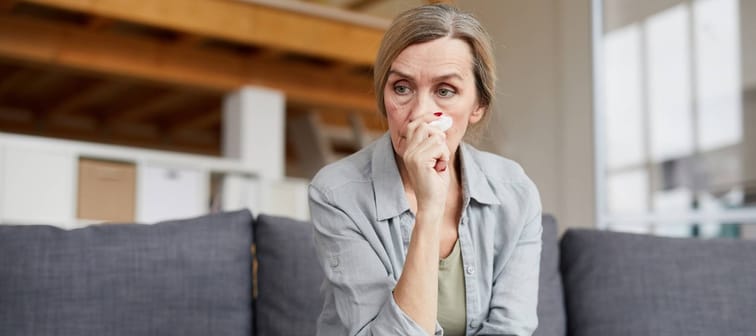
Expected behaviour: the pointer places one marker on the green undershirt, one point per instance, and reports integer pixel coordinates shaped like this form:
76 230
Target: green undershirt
451 294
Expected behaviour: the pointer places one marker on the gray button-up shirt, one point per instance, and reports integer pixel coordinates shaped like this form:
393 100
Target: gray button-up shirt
363 225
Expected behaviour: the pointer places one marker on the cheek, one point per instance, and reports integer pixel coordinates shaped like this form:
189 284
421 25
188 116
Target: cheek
393 119
392 98
396 114
462 113
459 127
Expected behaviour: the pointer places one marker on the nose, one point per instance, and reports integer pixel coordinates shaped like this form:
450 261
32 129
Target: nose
424 104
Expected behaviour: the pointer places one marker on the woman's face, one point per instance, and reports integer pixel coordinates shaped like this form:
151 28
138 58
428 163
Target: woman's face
431 77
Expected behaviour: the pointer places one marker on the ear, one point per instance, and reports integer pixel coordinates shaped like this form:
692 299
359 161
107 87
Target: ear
477 114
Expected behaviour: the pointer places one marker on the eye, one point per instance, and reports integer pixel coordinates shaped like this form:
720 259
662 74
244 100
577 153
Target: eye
446 92
401 89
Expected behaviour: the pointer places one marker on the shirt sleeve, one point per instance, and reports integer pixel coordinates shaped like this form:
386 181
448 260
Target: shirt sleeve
513 309
358 287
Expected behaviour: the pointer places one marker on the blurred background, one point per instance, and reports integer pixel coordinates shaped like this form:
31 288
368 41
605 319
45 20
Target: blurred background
631 115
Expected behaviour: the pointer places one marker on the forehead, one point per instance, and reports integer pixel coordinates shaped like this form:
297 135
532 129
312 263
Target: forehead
442 54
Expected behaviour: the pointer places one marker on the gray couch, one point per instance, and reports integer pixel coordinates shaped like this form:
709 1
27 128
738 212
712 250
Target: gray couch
195 277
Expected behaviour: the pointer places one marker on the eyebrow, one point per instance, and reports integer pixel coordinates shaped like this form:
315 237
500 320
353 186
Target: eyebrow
438 78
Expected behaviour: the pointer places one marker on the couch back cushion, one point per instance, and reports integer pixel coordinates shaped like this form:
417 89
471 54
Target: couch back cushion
186 277
627 284
551 314
288 277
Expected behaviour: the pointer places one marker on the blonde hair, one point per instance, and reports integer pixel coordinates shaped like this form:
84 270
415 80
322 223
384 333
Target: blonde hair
428 23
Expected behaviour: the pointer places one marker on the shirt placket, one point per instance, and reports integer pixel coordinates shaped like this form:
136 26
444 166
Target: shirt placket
469 269
406 220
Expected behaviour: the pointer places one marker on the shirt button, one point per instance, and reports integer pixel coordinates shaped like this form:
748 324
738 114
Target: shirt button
470 270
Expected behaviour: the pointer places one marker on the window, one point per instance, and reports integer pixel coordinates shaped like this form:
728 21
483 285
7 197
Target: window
670 119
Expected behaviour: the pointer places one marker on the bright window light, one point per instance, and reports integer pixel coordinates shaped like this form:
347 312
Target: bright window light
628 192
717 50
624 110
669 90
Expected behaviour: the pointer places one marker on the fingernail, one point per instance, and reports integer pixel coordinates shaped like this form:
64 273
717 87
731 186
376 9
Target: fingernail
438 114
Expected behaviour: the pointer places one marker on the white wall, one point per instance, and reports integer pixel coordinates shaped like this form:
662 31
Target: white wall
576 146
543 114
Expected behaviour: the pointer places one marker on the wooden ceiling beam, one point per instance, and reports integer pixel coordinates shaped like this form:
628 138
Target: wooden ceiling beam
14 78
189 40
46 80
16 115
97 23
199 121
269 54
344 67
125 56
87 129
7 5
160 104
361 4
242 22
77 100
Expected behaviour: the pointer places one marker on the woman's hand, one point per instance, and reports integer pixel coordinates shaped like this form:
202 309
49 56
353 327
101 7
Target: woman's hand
425 157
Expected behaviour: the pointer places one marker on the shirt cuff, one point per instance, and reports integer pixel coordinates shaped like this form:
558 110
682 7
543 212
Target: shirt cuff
392 320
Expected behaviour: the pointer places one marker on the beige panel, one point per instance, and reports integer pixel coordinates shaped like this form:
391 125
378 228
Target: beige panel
107 190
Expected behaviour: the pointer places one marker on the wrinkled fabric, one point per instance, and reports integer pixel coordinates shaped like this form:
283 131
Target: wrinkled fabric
363 224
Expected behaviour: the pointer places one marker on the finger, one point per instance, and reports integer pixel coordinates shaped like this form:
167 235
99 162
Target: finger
418 134
442 156
436 132
443 161
429 151
409 131
423 119
427 136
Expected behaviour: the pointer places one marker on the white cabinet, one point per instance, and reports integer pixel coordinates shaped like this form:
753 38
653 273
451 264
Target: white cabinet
36 186
165 193
286 197
40 184
240 192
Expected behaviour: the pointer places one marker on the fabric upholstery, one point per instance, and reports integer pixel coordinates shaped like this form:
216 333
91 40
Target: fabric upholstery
185 277
551 314
288 277
627 284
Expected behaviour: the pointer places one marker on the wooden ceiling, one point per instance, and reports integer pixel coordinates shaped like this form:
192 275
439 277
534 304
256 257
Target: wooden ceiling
154 73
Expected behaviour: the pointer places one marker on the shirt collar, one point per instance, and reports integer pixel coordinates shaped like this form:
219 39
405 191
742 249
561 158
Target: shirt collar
474 182
390 199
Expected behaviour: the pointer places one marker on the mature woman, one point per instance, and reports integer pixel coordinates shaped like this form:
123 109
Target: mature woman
420 233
